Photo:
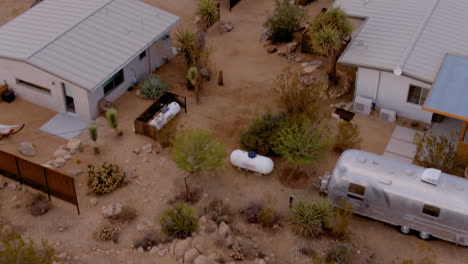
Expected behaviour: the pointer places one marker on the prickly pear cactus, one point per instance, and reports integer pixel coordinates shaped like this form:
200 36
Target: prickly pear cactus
104 179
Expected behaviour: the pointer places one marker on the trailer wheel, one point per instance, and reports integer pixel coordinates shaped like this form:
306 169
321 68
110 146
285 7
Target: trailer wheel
405 230
424 235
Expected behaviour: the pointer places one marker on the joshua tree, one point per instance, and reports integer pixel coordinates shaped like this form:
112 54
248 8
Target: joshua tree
195 151
111 116
93 136
208 12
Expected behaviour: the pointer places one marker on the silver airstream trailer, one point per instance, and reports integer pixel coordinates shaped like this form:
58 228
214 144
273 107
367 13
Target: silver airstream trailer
427 201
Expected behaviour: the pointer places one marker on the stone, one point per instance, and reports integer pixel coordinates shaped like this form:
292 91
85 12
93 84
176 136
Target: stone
182 246
202 259
74 145
211 227
58 162
61 256
172 247
93 201
112 210
298 59
291 47
27 149
198 242
224 230
68 157
162 252
148 148
62 227
261 261
154 251
226 27
247 247
74 172
309 67
191 255
140 250
272 49
13 186
266 35
306 79
137 150
61 152
307 251
196 19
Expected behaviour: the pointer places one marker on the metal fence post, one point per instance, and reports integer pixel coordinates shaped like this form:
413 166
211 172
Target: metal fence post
46 182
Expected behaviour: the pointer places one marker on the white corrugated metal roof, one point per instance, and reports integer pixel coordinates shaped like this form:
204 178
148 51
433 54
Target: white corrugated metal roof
92 44
412 35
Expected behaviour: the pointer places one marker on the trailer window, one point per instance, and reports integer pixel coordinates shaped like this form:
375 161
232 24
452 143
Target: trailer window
431 210
356 191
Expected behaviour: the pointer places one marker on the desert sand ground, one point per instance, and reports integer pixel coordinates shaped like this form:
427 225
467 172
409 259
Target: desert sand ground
226 111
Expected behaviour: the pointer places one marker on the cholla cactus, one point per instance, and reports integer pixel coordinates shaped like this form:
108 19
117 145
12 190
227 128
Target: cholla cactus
93 136
104 179
111 116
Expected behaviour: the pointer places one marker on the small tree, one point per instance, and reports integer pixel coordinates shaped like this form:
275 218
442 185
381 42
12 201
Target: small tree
93 135
16 250
208 12
192 76
195 151
326 34
347 136
111 116
295 97
435 152
185 43
286 20
303 142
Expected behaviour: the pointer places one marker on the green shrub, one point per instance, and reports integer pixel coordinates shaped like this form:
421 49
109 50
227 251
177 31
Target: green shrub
310 220
268 217
14 250
347 136
152 87
338 254
286 20
107 233
436 152
104 179
341 219
179 221
262 133
113 121
185 43
208 12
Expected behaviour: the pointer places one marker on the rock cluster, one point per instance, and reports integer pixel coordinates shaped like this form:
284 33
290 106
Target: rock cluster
64 153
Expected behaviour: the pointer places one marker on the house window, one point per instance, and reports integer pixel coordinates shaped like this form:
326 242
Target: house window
113 82
33 86
431 210
417 94
356 191
142 55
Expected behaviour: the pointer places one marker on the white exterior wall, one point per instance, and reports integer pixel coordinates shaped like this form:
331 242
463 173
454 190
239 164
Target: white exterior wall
390 91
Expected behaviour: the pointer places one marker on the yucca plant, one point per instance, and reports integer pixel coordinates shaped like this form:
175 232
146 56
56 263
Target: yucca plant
185 43
192 75
208 12
93 135
179 221
111 116
309 220
152 87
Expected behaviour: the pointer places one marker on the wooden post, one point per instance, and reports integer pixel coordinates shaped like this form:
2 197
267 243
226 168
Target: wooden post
220 78
463 131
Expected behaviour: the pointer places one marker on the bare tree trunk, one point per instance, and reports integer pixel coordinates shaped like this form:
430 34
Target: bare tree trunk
187 190
220 78
96 148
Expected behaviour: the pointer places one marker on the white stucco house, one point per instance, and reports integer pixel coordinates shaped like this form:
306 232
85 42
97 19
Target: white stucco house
67 55
399 50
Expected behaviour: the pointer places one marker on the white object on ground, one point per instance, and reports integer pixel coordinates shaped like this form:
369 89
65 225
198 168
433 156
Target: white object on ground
260 164
4 129
166 114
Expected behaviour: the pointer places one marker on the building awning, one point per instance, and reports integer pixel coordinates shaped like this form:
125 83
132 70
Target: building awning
449 93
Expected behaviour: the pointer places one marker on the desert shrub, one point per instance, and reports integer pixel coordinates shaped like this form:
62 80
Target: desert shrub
107 233
104 179
218 211
251 212
294 96
149 240
208 12
185 43
39 204
286 20
126 216
338 254
435 152
113 121
261 134
178 221
341 219
152 87
268 217
14 249
426 255
347 136
310 220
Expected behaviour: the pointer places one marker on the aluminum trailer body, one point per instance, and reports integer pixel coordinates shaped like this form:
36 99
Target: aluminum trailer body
428 201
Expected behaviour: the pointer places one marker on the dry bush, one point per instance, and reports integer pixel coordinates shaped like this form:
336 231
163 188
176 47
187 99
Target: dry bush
347 136
126 216
269 218
338 254
219 212
426 255
39 204
436 152
179 221
149 240
16 250
107 233
252 212
339 226
104 179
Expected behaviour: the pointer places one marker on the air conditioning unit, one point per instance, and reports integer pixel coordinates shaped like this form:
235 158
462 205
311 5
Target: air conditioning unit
387 115
362 105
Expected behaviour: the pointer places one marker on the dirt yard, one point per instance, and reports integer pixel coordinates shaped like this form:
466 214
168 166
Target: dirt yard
155 179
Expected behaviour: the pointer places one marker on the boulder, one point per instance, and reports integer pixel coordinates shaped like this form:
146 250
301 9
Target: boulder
154 251
190 255
93 201
298 59
148 148
226 27
74 172
224 230
266 35
27 149
291 47
272 49
58 162
309 67
14 186
247 247
198 242
60 153
74 145
136 151
202 259
112 210
182 246
306 79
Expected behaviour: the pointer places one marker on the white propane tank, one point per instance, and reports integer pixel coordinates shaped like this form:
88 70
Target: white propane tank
166 114
252 162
